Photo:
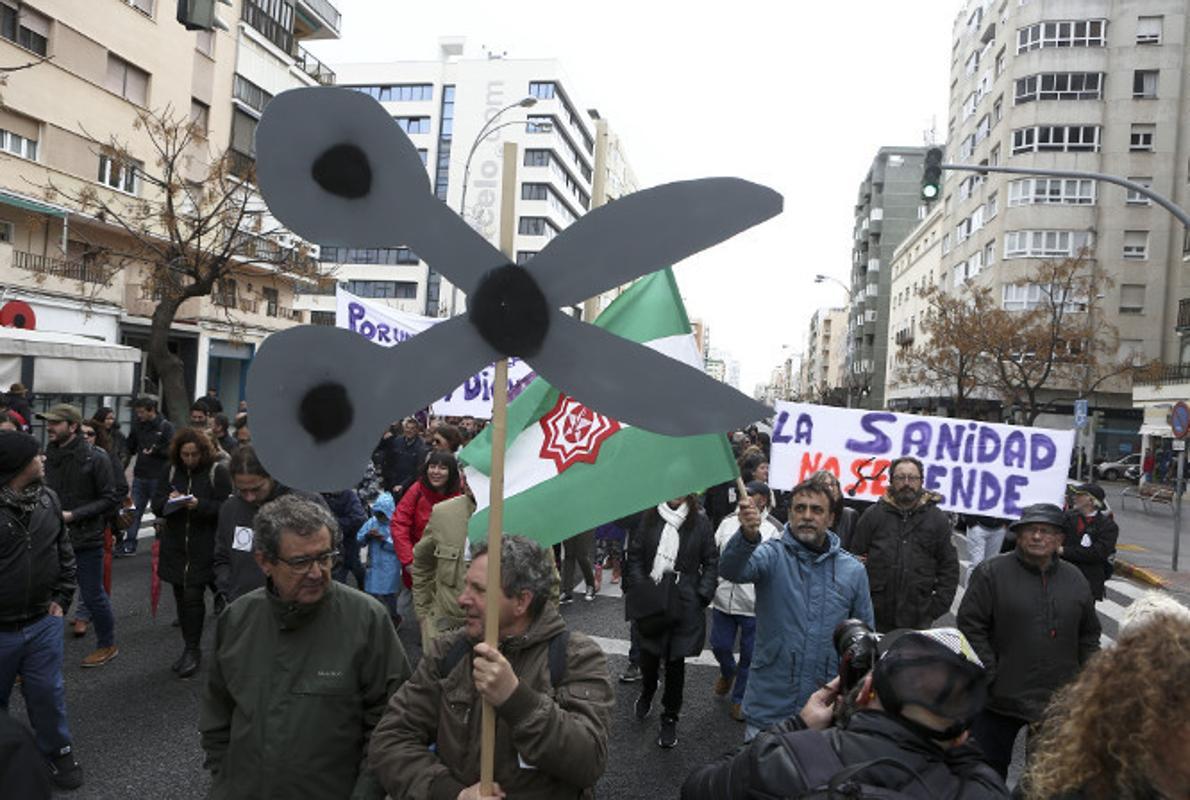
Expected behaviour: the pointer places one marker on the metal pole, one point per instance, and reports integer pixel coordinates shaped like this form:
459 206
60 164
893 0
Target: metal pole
1177 507
1165 203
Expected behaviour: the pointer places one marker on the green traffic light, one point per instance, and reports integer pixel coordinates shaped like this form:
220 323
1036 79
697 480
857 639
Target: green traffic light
929 192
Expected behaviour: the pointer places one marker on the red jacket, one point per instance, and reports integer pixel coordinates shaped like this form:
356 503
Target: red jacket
409 522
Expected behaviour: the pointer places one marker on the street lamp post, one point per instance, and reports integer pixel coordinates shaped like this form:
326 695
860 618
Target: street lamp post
484 132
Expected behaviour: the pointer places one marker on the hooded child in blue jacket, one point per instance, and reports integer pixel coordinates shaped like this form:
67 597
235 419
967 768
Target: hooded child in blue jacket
384 570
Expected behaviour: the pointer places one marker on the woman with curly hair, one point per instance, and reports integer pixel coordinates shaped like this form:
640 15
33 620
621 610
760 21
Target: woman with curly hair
188 501
1121 731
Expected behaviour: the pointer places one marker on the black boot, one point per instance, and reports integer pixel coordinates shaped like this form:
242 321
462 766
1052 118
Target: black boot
178 663
191 659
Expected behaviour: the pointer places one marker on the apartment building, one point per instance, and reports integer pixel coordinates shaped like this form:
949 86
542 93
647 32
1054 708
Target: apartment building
459 112
104 62
824 362
1094 85
916 266
885 211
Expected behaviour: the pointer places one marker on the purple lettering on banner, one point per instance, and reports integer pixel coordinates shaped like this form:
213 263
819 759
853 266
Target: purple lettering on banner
879 443
382 332
487 386
1042 452
962 494
367 330
355 312
1014 450
969 450
989 491
1012 494
989 445
917 435
950 440
779 434
472 388
804 433
934 475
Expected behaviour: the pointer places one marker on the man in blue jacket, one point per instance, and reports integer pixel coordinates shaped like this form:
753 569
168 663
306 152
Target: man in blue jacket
806 584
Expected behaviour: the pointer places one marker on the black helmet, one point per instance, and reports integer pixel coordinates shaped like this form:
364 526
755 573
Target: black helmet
1041 512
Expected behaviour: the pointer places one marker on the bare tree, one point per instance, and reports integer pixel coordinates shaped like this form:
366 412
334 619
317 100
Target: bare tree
951 357
200 223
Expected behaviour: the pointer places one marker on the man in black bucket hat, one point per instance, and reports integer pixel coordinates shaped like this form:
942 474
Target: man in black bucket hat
1031 618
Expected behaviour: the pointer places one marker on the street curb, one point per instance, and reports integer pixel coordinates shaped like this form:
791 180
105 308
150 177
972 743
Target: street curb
1140 574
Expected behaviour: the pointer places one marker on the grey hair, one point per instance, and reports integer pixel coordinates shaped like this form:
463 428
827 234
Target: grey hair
1150 606
295 514
523 568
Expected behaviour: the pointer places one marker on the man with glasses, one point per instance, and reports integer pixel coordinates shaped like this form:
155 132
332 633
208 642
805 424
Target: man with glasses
302 671
1031 618
82 477
904 539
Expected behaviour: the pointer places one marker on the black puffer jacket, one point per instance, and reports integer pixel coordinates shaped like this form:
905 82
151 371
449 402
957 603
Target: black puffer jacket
400 459
149 444
81 475
1101 533
685 598
766 768
1033 629
188 539
913 569
36 559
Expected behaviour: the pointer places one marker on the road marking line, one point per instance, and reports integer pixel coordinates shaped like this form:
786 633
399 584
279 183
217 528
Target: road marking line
620 647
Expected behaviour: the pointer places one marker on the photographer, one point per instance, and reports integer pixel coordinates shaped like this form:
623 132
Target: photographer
902 727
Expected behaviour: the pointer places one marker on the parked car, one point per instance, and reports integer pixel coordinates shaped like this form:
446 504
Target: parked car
1132 473
1114 470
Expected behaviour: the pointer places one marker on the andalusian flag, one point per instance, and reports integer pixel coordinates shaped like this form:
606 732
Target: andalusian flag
569 469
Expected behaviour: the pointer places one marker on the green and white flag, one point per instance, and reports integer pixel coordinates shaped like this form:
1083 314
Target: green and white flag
569 469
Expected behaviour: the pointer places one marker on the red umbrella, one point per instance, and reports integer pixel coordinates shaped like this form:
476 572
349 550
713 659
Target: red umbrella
154 580
107 560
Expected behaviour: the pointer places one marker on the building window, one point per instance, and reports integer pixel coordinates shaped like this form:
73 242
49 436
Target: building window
1144 84
18 145
367 255
1024 297
523 256
542 90
1148 30
989 253
1058 86
1051 191
1000 60
1134 198
128 81
204 42
1056 138
994 156
1136 245
1141 139
424 154
991 206
250 94
413 124
143 6
445 140
1132 298
393 93
271 301
537 226
534 191
395 290
26 28
243 133
225 293
1065 33
120 174
199 117
537 158
1045 244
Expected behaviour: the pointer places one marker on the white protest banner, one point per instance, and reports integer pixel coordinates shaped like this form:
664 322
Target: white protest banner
977 467
388 327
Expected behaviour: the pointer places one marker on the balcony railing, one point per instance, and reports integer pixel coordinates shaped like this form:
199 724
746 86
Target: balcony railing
1184 314
291 314
313 67
327 11
266 26
70 269
225 299
1170 373
248 305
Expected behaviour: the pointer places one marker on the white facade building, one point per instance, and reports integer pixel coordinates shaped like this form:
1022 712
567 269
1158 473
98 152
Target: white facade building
916 266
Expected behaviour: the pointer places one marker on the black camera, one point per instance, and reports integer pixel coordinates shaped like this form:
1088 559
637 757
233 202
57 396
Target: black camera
855 643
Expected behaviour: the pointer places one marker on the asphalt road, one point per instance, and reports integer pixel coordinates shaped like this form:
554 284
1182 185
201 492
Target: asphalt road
135 723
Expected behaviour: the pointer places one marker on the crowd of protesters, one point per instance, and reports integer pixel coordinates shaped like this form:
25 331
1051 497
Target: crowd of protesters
822 620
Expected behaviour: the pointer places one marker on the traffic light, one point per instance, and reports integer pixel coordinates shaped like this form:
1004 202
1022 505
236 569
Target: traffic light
199 15
931 178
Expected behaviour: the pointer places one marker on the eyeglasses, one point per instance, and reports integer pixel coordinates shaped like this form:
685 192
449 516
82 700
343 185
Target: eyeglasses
89 434
906 479
302 563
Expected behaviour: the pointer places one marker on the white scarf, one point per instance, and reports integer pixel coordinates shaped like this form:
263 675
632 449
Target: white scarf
667 548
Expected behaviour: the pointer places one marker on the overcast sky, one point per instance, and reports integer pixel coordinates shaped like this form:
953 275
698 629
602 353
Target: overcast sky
797 95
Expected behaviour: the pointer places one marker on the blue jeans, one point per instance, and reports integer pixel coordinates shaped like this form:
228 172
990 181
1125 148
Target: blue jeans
723 632
35 653
142 493
90 578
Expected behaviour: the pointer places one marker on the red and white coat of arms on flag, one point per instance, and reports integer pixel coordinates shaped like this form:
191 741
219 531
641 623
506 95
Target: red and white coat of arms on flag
574 433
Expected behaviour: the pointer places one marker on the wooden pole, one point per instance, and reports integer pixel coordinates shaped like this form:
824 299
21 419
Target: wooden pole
491 632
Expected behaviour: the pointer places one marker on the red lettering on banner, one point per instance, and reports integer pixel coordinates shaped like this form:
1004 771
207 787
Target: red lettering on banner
810 465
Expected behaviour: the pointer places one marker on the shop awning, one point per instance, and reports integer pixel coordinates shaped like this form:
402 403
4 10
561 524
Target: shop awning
31 205
1149 429
65 363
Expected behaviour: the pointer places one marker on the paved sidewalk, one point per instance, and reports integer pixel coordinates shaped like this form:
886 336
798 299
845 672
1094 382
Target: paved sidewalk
1146 540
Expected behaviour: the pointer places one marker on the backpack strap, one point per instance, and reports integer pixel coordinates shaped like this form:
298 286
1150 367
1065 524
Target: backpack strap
813 756
453 656
557 657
